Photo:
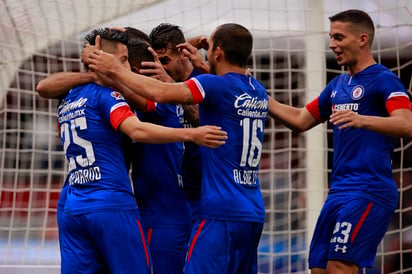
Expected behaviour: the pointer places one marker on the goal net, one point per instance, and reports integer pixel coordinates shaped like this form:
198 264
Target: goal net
290 57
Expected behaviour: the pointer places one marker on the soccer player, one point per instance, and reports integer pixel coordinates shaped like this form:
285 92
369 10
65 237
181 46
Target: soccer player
57 85
166 39
100 213
368 107
168 227
166 215
231 203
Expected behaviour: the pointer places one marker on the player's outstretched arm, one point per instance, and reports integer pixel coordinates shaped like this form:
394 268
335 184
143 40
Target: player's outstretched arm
58 84
297 119
175 93
209 136
134 100
398 124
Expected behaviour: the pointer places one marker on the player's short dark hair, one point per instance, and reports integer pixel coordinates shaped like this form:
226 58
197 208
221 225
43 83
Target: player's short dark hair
134 35
138 52
359 19
108 34
166 36
236 41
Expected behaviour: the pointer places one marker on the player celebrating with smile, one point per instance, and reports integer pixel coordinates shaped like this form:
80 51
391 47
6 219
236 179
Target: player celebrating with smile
367 106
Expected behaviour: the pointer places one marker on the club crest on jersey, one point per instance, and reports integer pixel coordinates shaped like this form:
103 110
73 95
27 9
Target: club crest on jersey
357 92
117 95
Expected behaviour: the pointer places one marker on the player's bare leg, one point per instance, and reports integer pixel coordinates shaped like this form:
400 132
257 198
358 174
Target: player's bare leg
339 267
318 271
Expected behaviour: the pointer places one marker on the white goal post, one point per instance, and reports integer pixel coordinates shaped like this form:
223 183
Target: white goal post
290 57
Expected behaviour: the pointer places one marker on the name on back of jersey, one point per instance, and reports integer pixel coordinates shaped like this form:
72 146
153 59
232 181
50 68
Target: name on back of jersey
245 177
85 175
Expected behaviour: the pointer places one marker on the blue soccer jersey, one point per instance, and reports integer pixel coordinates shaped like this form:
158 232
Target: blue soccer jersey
230 185
156 172
98 176
192 167
101 221
375 91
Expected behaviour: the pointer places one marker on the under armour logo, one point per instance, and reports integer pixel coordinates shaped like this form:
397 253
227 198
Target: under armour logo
340 248
333 94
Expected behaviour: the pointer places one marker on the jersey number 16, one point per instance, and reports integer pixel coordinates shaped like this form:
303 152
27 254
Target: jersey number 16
252 146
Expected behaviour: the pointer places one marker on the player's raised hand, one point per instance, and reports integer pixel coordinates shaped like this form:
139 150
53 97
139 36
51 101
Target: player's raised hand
199 42
209 136
155 69
191 52
103 62
87 50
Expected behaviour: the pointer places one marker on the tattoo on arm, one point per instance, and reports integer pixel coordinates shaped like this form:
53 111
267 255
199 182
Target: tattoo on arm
191 114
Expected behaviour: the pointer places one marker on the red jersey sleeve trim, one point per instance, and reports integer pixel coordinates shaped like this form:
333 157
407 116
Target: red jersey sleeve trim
150 106
118 115
196 89
396 102
58 129
313 108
